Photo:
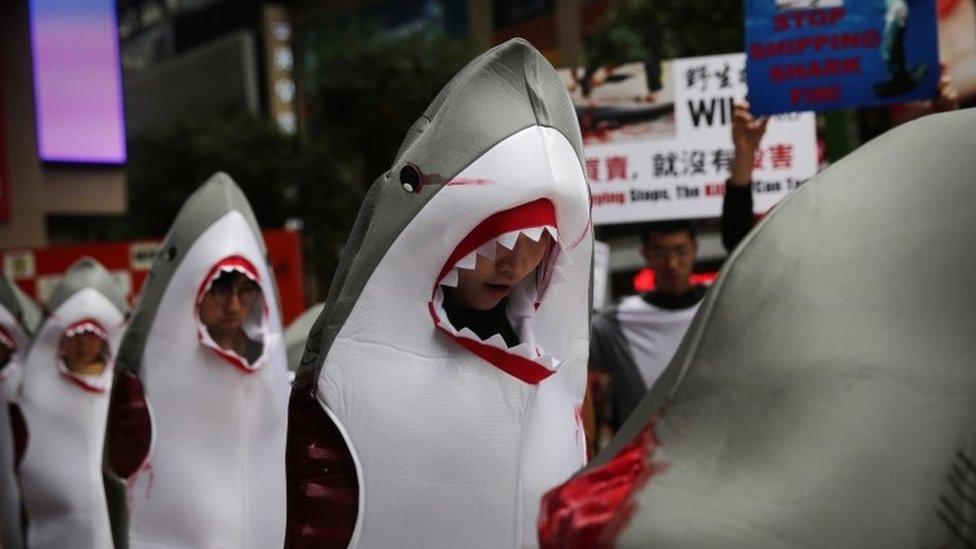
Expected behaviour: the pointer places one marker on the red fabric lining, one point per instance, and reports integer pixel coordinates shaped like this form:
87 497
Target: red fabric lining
323 487
233 358
241 263
582 235
590 510
80 382
532 214
538 213
129 429
514 365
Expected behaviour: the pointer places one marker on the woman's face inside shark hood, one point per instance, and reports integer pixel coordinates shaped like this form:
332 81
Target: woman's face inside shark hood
499 270
231 313
513 254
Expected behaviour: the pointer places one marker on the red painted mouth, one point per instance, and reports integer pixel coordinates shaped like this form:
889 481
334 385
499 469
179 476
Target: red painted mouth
91 384
526 360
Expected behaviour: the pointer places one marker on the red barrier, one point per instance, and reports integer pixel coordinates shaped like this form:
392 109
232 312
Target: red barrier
39 270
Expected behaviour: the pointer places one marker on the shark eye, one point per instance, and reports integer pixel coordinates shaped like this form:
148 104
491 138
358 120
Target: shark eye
170 253
411 179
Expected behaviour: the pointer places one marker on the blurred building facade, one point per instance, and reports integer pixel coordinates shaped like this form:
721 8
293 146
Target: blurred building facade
180 57
43 202
185 56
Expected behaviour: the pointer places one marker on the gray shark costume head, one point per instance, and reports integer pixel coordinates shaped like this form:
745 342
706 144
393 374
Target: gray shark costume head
196 432
825 396
18 319
296 334
64 413
432 436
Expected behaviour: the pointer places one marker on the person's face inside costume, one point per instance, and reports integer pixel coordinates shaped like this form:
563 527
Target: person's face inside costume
491 280
671 256
225 306
84 353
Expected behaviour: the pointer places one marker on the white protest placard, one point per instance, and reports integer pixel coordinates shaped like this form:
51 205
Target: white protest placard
660 161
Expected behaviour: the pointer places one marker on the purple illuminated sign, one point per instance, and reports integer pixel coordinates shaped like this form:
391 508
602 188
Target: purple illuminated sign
77 81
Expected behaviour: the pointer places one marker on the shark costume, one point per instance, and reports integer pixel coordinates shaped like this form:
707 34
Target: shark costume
64 412
17 317
196 433
403 430
297 333
838 408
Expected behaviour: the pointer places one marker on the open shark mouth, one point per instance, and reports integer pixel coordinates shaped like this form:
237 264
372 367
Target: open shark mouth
7 340
254 325
92 383
526 361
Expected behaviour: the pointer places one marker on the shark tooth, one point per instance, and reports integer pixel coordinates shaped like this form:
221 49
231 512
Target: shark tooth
553 232
487 249
497 341
450 279
468 334
444 323
522 350
468 262
534 233
508 239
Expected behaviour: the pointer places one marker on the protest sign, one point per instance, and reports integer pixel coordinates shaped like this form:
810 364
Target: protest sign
658 139
829 54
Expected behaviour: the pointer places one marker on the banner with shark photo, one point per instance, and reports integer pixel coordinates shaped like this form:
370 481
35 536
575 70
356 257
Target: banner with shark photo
830 54
658 139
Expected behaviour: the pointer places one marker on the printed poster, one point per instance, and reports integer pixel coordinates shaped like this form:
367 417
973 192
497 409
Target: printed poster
658 139
830 54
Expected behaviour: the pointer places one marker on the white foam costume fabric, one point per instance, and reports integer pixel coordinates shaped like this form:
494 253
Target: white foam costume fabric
61 470
14 337
453 449
653 334
214 476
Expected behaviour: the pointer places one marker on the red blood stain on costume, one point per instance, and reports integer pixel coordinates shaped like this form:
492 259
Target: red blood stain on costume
470 181
591 509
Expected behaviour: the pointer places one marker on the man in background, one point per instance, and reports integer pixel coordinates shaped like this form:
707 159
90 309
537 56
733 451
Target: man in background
631 343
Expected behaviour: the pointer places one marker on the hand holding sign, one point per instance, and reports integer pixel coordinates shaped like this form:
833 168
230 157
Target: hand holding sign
948 99
747 132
